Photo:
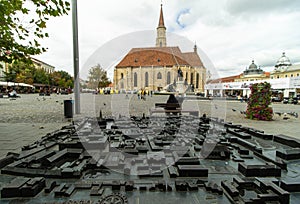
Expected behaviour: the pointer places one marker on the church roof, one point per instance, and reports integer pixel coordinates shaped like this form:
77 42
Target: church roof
159 56
193 59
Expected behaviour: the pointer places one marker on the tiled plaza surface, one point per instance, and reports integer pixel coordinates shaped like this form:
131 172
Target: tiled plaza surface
26 119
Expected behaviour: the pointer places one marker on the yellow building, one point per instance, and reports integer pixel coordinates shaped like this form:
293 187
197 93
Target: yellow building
285 69
154 68
284 80
38 64
253 73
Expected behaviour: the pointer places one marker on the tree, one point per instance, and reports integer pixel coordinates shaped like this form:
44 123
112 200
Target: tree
41 77
98 77
61 79
20 72
22 25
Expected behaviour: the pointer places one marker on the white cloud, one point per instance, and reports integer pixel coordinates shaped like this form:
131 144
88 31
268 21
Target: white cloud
230 32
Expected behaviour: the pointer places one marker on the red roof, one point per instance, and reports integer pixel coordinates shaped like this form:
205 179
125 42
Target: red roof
224 79
193 59
159 56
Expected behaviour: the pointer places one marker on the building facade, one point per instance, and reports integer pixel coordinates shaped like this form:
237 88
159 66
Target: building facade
284 80
285 69
38 64
253 73
154 68
3 69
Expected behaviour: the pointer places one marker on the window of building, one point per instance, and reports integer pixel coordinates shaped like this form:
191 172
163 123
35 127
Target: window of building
159 75
192 78
122 76
285 76
135 79
146 79
277 77
186 76
297 74
168 78
197 80
292 75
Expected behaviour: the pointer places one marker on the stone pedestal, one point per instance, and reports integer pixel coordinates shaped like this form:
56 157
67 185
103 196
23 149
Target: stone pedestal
180 87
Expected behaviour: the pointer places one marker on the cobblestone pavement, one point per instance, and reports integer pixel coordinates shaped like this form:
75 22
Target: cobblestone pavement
26 119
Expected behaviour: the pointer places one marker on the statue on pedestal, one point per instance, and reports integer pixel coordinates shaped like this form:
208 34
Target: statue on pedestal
179 74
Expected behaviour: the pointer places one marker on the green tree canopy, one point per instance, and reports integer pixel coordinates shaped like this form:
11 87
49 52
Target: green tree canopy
22 25
21 72
98 77
61 79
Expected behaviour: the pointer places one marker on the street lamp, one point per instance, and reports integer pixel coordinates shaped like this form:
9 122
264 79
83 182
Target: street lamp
76 57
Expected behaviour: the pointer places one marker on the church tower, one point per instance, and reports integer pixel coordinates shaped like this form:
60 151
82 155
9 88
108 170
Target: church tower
161 40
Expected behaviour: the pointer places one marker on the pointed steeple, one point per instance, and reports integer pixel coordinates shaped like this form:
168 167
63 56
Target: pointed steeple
161 40
161 22
195 48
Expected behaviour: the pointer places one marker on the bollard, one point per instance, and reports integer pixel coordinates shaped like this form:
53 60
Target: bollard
68 108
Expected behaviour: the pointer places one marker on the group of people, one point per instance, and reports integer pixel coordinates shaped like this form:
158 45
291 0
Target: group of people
242 99
142 94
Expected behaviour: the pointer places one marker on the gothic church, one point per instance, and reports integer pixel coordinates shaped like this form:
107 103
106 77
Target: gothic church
154 68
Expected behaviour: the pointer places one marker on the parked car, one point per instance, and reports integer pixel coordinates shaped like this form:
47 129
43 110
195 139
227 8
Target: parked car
200 94
295 100
276 99
287 100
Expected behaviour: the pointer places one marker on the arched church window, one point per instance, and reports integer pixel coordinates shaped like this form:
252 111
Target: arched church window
192 78
146 79
197 80
122 76
159 75
168 78
135 79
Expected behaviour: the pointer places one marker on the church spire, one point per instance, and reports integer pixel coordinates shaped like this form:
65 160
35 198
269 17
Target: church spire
161 40
161 22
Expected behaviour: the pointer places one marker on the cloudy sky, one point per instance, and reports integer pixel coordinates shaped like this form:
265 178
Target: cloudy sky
231 33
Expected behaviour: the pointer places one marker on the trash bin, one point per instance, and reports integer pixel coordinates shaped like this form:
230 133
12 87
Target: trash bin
68 108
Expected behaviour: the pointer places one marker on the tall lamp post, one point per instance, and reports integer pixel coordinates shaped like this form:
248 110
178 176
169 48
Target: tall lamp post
76 57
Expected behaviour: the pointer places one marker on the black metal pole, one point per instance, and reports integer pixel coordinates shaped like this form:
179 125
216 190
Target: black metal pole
76 57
